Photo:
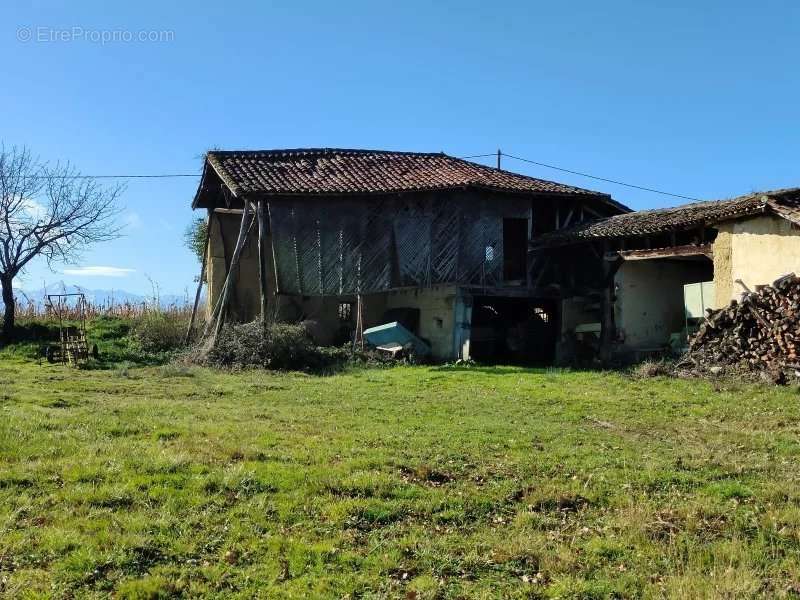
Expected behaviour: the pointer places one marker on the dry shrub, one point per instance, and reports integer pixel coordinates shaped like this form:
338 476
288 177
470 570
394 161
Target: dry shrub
279 346
159 332
651 368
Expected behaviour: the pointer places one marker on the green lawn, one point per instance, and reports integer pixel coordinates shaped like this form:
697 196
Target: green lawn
418 482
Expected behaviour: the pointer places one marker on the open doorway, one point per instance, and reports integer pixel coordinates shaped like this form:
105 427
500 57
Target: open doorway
650 301
515 249
513 330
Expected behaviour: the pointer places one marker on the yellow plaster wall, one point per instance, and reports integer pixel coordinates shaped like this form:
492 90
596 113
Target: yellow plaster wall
649 299
723 265
245 303
436 317
758 251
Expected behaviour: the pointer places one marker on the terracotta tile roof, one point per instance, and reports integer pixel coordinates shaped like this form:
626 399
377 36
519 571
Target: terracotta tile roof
785 203
340 171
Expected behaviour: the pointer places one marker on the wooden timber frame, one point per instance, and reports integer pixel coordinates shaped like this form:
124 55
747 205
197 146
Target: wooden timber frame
315 248
252 213
607 255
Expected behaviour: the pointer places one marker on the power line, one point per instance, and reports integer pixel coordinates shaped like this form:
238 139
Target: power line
478 156
486 155
614 181
156 176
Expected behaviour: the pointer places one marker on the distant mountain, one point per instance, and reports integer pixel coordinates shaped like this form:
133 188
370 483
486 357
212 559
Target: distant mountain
96 297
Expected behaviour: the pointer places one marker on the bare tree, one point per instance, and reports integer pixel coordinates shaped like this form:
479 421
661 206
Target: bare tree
48 211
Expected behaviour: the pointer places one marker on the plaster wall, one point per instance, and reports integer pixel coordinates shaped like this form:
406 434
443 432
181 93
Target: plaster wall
223 232
436 314
758 251
649 299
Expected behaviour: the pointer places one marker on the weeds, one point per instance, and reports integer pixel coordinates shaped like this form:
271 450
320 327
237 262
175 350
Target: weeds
157 332
278 346
651 368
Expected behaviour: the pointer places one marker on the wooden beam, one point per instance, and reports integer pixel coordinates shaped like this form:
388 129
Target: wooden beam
591 211
262 259
218 314
272 249
200 281
607 325
568 219
671 252
541 273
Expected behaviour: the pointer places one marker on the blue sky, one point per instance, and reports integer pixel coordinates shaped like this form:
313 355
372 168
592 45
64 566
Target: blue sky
699 98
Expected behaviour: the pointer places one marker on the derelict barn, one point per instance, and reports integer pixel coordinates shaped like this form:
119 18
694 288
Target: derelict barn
659 271
338 238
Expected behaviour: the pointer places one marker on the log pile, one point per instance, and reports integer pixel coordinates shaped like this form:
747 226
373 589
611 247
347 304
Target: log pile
759 334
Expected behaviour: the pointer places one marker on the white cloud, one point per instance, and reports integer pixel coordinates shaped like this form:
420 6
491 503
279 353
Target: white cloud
97 271
133 220
34 209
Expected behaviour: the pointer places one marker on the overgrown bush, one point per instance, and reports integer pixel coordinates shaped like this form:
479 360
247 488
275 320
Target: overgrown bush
280 346
157 332
651 368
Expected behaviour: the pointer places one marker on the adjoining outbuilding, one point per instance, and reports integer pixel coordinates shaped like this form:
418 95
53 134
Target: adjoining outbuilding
350 239
655 272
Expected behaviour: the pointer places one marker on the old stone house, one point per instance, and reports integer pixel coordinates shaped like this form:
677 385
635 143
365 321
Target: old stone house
437 243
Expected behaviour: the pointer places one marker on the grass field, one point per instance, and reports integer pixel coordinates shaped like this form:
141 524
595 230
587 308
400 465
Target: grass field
410 482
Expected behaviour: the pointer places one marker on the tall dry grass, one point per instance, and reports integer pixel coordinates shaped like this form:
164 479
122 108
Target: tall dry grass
32 311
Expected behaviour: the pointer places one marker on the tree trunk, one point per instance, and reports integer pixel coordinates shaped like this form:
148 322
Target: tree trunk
8 300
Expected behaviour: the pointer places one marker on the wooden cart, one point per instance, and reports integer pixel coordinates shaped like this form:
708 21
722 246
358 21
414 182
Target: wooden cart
72 347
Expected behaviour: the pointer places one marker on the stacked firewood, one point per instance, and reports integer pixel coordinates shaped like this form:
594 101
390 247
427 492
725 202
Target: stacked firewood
760 333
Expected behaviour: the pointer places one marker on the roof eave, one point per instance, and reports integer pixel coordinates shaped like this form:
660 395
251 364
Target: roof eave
220 172
279 193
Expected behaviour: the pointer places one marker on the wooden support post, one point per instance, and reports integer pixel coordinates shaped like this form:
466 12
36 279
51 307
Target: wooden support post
607 329
262 259
277 289
358 335
607 325
200 281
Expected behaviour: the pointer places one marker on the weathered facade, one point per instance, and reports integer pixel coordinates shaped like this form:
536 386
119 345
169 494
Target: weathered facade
646 258
755 251
436 242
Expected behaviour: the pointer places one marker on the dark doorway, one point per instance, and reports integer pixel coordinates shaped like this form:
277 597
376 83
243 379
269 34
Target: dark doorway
513 330
515 249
